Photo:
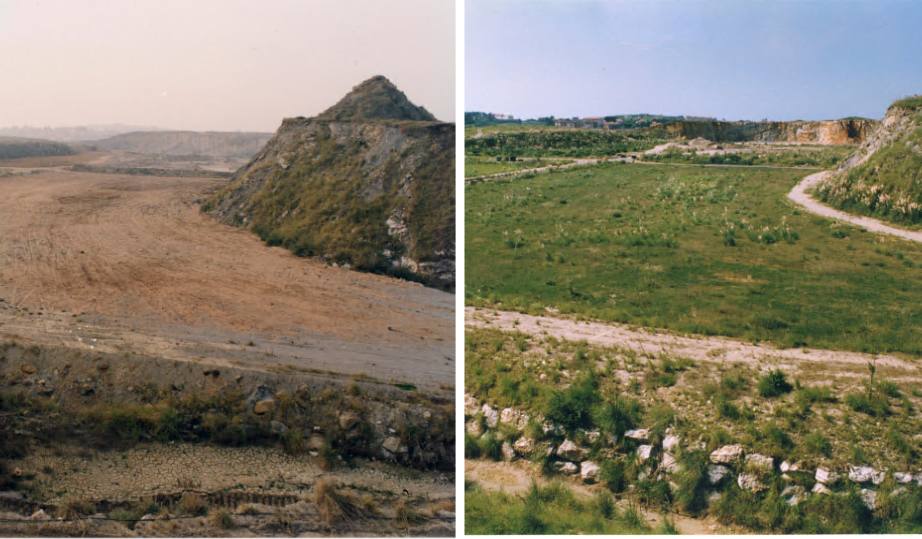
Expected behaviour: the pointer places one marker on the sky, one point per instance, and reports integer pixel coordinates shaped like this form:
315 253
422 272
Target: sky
215 64
782 60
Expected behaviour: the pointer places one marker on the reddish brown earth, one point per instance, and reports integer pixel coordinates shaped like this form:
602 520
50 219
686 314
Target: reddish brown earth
130 263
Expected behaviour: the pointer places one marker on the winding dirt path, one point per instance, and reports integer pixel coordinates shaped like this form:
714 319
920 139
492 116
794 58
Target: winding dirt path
800 195
652 343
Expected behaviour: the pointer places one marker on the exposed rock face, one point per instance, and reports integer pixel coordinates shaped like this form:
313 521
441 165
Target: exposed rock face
369 184
727 454
589 471
884 176
865 474
570 451
845 131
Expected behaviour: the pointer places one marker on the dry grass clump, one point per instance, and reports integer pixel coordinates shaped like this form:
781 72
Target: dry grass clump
222 519
192 504
334 505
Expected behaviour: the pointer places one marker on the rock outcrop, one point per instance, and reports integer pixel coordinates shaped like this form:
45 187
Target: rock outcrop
844 131
367 184
884 176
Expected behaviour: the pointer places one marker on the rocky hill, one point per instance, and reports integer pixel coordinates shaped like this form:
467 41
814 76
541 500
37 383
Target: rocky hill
186 143
369 183
845 131
884 177
15 147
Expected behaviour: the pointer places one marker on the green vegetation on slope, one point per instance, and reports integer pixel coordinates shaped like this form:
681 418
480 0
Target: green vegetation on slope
552 509
804 415
779 413
558 143
692 249
889 183
14 148
819 157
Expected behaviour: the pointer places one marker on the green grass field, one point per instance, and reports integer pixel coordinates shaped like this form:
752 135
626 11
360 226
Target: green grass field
553 509
693 249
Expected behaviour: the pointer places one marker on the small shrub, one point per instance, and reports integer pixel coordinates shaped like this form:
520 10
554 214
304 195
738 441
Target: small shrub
471 447
192 504
571 407
774 384
221 519
871 403
816 443
612 474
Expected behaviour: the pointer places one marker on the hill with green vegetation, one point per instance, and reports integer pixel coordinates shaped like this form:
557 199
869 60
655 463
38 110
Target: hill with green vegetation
884 178
554 142
368 183
14 148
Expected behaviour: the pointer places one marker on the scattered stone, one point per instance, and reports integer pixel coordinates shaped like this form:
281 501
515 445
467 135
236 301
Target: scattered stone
474 427
491 415
750 482
524 446
669 463
392 444
149 516
670 442
727 454
508 416
865 474
902 477
644 452
507 451
641 435
593 436
870 498
566 468
278 427
40 515
793 494
789 467
27 368
589 471
825 476
470 405
820 488
762 463
264 406
348 419
570 451
316 442
717 473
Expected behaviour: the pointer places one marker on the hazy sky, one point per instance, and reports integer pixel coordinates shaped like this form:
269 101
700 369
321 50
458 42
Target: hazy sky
215 64
726 59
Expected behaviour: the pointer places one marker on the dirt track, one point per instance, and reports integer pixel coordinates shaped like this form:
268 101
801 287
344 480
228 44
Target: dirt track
699 348
129 263
799 194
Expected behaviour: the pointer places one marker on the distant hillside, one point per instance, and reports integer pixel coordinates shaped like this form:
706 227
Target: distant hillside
368 183
78 133
884 177
186 143
14 148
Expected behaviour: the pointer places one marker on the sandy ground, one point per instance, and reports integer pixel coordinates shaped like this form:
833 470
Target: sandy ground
516 478
699 348
800 195
129 262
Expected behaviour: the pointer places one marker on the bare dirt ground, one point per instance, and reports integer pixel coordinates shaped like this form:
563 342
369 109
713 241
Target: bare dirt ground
699 348
517 477
129 263
800 195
